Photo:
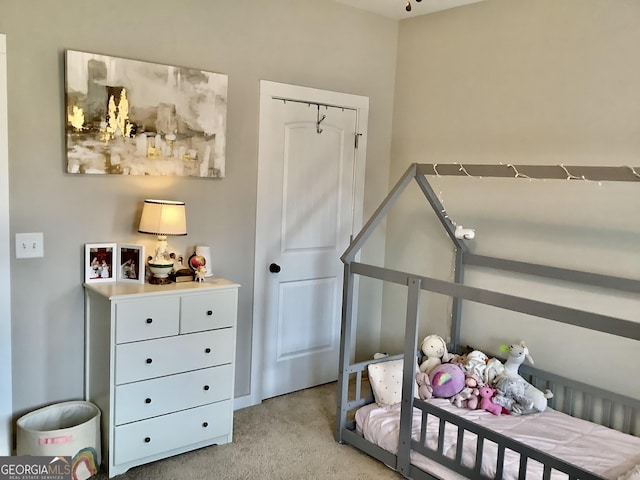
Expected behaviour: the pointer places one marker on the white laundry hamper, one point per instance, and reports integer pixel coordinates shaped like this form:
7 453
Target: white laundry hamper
67 429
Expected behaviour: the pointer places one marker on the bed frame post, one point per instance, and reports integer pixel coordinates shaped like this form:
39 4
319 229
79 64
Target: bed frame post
409 371
346 336
456 302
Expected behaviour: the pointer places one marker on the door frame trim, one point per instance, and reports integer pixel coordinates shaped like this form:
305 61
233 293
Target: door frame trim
268 90
6 402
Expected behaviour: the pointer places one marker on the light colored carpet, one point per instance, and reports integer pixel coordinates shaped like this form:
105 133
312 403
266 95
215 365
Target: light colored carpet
285 438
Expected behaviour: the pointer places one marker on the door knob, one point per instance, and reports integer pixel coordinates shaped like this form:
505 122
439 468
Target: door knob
274 268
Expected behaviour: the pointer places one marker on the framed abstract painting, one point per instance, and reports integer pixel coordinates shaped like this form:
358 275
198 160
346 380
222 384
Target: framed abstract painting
128 117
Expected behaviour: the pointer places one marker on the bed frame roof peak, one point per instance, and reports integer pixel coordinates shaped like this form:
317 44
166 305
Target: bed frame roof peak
419 172
463 257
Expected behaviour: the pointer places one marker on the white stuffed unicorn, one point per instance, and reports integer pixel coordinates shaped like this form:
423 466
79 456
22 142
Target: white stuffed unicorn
529 398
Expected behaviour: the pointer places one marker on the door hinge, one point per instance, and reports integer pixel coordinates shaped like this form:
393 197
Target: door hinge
357 141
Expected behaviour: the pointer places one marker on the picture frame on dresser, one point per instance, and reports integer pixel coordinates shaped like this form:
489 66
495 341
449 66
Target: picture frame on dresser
130 263
99 262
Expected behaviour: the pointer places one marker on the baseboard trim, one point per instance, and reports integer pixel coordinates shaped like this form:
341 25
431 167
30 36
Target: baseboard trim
245 401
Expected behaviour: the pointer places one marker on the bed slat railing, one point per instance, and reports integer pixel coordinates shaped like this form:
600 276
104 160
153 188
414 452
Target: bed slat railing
586 401
483 438
522 472
500 462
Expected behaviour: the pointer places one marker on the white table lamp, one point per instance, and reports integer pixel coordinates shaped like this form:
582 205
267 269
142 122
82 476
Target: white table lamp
162 218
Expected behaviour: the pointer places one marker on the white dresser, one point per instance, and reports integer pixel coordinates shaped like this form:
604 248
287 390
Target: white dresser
160 366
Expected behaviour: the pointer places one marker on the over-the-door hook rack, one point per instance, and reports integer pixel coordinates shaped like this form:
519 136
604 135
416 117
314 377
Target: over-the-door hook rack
319 121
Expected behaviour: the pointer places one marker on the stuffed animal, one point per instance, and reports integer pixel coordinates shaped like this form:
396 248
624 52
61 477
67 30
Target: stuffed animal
486 393
447 380
530 398
510 394
476 363
435 352
469 397
425 390
494 369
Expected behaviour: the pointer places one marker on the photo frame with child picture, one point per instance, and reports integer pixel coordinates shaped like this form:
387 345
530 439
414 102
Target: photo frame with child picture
99 263
131 264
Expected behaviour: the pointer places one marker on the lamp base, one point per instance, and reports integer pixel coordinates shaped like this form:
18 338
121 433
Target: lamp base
159 280
160 273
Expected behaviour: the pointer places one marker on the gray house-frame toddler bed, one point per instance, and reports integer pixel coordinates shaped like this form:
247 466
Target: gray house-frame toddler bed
586 433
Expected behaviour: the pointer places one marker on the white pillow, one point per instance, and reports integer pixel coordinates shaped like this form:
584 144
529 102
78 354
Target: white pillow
386 382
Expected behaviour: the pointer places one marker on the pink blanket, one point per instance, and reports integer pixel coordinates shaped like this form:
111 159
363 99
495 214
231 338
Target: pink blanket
601 450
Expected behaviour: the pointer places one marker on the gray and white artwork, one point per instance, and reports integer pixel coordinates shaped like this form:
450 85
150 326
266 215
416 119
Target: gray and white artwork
129 117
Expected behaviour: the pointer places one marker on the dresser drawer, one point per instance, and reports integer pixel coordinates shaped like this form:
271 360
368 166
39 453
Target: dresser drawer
150 398
161 434
144 319
166 356
208 311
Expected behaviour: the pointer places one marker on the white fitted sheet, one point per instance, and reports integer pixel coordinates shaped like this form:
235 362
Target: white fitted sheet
599 449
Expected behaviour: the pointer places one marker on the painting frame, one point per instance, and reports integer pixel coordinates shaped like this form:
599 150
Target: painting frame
98 259
130 263
132 117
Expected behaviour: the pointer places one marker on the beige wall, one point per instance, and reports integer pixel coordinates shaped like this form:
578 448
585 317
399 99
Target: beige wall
524 82
306 42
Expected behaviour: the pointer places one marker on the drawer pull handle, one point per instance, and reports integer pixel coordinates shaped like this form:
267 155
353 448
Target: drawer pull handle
206 387
205 424
149 320
149 360
147 400
209 312
207 350
147 439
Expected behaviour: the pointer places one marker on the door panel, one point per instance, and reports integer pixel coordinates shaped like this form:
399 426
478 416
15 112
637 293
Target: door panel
305 308
312 166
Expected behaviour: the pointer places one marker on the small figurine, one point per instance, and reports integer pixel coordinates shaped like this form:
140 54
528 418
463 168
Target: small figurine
200 272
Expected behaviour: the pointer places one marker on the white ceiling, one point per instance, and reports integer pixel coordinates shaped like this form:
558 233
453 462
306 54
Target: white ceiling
395 8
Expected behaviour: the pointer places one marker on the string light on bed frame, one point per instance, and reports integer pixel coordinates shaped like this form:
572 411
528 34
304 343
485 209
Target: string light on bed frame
463 233
570 176
460 232
623 173
518 174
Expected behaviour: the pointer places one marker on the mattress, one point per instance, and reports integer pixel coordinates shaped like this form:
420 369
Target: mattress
601 450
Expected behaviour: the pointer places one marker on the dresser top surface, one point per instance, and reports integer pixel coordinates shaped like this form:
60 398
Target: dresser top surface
114 290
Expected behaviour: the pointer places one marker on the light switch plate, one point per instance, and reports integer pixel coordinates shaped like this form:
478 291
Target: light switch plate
29 245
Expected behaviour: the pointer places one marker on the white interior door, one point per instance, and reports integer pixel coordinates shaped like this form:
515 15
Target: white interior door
5 252
310 179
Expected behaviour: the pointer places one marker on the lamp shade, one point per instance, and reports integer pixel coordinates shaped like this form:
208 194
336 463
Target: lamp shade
163 217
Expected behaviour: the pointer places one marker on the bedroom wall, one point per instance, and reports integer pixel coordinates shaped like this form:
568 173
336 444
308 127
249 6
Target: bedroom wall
318 44
521 82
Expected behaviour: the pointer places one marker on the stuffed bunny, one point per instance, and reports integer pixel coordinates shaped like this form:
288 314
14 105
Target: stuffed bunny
425 390
435 352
